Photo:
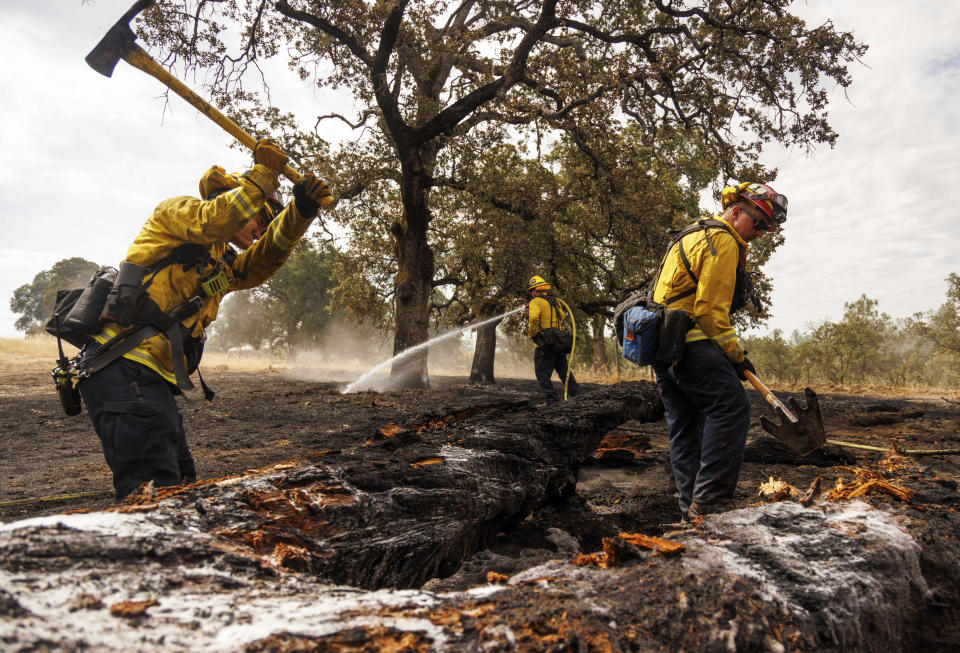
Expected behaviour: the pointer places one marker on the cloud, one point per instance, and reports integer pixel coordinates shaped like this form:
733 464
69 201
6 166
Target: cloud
875 215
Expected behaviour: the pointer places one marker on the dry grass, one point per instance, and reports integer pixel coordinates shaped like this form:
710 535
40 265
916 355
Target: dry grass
39 353
631 372
32 354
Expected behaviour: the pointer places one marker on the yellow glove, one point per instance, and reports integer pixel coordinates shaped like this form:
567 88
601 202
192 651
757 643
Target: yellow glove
267 153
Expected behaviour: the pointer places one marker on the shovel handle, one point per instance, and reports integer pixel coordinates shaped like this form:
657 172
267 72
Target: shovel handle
138 58
768 395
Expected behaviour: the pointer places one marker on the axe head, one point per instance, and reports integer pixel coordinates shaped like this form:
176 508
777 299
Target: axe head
117 41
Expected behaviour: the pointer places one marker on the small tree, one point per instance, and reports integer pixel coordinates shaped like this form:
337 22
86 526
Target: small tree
34 301
290 310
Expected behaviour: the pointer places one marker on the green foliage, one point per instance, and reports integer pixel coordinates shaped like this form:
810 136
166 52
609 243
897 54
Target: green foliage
435 85
34 301
290 310
868 347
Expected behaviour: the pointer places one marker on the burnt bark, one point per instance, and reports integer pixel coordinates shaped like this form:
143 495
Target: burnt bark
481 371
838 576
414 499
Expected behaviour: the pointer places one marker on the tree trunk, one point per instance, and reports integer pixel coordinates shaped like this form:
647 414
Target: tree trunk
413 283
481 371
597 323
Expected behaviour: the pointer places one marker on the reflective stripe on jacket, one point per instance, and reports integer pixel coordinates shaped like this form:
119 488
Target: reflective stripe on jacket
181 220
710 305
542 316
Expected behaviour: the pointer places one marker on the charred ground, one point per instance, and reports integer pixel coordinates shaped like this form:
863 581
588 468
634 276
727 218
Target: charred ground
262 419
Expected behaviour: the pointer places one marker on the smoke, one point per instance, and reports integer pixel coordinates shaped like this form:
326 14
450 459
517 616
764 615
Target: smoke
348 352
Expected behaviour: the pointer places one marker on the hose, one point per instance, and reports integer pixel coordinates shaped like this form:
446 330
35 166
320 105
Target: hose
909 452
63 497
573 347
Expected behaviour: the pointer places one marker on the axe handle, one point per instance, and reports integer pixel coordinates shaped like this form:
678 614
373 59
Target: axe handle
768 395
138 58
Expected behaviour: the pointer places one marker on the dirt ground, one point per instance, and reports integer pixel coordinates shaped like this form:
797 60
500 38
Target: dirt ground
51 463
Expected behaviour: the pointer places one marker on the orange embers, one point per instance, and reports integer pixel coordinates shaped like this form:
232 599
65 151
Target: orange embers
658 544
894 461
432 424
130 609
866 481
290 518
358 638
777 490
451 617
426 461
624 547
622 444
494 577
145 497
390 430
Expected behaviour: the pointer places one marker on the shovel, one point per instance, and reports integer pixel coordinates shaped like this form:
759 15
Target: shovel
800 429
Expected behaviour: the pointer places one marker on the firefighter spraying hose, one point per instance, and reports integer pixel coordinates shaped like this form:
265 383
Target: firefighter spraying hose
553 342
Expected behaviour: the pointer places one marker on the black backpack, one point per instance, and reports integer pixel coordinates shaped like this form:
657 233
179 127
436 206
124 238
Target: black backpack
553 338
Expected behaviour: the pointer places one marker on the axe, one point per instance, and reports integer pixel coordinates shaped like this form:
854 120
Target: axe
120 43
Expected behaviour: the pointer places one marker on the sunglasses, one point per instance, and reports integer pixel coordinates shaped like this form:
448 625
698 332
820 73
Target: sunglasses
759 224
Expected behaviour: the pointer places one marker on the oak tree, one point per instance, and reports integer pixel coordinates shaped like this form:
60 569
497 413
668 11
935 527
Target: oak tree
423 73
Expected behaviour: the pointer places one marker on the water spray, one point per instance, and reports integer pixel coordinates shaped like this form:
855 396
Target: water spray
356 385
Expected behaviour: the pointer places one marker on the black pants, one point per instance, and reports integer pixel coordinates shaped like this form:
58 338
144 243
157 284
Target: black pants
708 414
134 413
544 363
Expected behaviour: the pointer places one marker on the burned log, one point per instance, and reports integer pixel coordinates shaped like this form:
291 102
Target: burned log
838 576
246 562
414 499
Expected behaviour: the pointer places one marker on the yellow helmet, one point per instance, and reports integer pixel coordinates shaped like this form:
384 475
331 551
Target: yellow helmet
216 179
537 283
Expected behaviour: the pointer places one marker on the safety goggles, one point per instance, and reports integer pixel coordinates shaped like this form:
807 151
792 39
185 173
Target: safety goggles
776 200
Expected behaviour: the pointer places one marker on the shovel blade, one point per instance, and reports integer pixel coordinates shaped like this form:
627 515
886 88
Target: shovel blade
804 433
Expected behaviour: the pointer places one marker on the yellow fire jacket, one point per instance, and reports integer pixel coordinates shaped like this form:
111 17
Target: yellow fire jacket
542 317
180 220
709 307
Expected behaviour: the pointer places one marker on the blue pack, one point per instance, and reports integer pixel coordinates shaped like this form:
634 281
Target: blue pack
641 334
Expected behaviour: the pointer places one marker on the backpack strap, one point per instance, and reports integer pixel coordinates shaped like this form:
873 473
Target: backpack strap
151 320
705 225
102 355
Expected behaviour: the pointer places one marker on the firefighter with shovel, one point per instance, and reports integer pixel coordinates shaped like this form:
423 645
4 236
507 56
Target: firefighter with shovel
707 410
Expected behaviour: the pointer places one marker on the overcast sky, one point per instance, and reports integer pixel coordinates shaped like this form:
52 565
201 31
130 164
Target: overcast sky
84 158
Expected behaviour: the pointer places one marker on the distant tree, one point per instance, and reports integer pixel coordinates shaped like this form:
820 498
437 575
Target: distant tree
941 327
296 299
773 356
290 310
851 350
939 330
241 323
34 301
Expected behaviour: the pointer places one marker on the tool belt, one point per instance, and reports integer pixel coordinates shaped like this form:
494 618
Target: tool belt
121 296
